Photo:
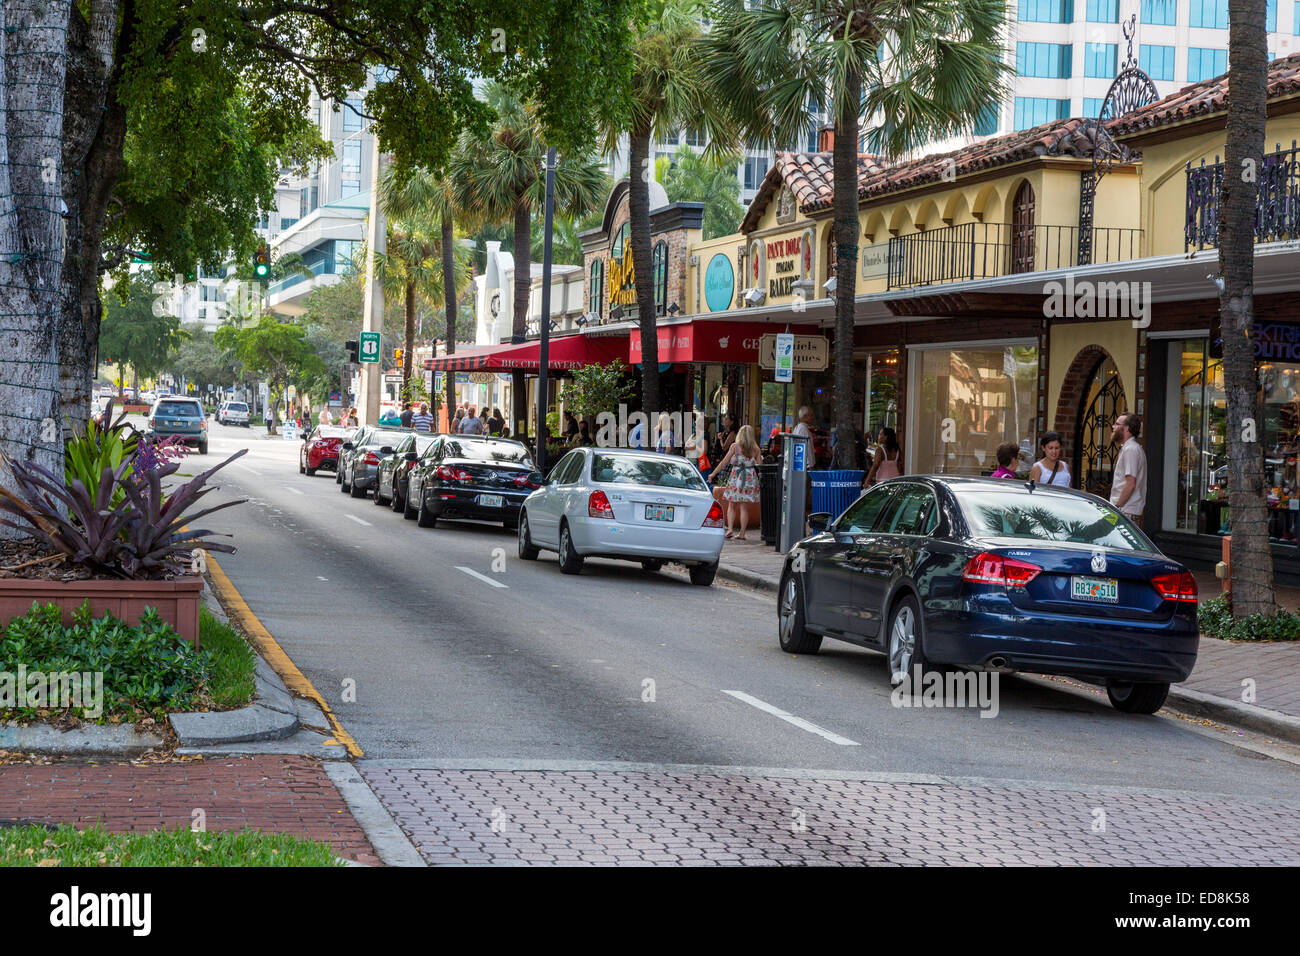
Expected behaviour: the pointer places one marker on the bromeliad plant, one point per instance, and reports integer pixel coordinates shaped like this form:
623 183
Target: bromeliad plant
104 444
121 523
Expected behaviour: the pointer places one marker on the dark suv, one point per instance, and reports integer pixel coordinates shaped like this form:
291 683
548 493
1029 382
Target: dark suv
183 417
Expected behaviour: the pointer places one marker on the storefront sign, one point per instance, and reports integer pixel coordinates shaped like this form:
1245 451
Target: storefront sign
716 342
783 265
1274 341
622 281
719 283
481 378
784 357
811 353
876 259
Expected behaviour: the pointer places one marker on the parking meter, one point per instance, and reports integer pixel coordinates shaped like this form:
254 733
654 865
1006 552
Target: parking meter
796 456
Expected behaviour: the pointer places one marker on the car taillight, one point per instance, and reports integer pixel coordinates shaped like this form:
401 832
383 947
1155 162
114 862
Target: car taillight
203 423
1176 586
989 568
524 481
448 473
371 458
598 506
714 517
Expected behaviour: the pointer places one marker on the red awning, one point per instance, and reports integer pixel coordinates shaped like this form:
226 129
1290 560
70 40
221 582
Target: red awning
710 341
564 352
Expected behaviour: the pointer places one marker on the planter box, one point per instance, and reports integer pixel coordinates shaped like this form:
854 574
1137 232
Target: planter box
177 601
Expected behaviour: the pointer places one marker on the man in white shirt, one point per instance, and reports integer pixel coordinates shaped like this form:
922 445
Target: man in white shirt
804 428
1128 490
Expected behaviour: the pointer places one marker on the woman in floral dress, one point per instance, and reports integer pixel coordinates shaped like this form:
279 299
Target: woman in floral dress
742 485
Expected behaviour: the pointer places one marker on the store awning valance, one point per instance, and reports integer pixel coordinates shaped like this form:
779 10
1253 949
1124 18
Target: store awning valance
709 341
564 353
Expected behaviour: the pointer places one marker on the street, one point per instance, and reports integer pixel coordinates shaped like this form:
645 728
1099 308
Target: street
495 697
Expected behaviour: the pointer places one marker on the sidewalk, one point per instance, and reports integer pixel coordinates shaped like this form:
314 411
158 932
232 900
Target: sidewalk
1221 666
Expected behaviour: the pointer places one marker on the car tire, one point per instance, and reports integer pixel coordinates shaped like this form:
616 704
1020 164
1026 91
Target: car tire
203 448
651 564
310 472
380 501
570 560
344 485
790 630
424 517
1138 697
396 502
527 550
302 469
355 490
702 575
408 512
904 641
338 473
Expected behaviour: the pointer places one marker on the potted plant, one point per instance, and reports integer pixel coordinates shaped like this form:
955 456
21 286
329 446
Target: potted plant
107 532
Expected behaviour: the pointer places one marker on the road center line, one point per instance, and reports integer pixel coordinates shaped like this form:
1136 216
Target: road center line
294 490
482 577
359 520
791 719
246 468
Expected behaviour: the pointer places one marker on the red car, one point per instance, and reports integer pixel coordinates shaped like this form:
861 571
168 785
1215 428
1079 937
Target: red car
320 449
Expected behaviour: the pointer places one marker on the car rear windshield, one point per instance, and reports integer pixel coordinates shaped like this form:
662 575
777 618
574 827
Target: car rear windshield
190 409
383 436
661 472
502 451
1019 513
236 407
326 432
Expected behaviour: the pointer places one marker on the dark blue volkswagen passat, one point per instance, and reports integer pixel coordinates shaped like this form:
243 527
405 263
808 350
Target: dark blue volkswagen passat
993 574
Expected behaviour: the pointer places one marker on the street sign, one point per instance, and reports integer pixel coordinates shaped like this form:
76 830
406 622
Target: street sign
370 346
785 357
393 379
800 452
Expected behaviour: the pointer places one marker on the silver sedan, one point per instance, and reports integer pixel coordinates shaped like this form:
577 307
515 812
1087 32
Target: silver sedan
631 505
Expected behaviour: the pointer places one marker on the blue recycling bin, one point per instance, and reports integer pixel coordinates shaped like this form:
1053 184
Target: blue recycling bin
835 490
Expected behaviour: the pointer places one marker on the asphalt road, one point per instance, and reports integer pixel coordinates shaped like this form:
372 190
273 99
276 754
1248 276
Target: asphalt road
618 664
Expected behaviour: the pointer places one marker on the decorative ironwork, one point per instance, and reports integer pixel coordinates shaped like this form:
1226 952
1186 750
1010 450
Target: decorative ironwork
1095 453
1277 200
1131 90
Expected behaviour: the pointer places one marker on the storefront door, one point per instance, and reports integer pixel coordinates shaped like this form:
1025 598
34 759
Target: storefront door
1094 452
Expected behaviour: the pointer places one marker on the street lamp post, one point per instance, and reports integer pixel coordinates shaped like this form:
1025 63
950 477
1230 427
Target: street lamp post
545 322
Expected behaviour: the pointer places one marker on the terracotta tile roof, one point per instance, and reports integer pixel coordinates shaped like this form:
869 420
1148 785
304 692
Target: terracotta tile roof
1204 99
810 176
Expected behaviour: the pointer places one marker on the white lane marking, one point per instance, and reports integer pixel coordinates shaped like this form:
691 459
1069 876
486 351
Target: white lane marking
294 490
246 468
482 577
359 520
319 578
792 719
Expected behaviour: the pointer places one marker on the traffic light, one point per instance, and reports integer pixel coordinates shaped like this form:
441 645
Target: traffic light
261 263
397 357
354 351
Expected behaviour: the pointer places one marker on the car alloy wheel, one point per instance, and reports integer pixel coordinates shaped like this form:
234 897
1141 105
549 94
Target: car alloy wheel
794 638
527 550
904 642
570 562
1138 697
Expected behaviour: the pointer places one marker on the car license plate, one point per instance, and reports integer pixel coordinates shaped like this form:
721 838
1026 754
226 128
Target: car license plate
1105 590
490 501
659 512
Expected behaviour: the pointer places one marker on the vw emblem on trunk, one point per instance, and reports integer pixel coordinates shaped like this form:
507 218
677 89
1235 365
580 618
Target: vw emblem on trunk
1098 562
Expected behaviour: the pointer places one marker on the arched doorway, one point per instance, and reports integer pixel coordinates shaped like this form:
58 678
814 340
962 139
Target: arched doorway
1022 229
1092 397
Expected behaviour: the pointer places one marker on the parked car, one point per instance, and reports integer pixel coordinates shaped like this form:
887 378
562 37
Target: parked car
183 417
148 398
320 449
360 456
233 413
989 574
394 469
632 505
471 476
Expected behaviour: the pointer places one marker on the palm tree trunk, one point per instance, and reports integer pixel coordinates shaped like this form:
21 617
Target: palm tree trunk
1252 562
449 304
845 166
638 207
408 340
523 274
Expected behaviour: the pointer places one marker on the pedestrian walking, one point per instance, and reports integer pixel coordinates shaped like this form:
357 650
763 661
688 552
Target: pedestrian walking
584 435
1050 469
454 427
423 421
887 462
742 484
483 421
804 428
666 441
471 424
727 436
325 417
353 419
407 414
1128 489
497 423
1007 453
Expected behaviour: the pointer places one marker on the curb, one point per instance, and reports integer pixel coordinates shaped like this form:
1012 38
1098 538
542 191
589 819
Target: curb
271 716
92 740
389 842
1238 714
750 579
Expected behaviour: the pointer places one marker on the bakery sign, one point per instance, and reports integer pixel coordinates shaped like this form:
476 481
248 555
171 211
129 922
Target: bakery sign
789 263
811 352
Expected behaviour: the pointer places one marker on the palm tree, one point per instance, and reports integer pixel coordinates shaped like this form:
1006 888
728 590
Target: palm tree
501 176
1252 562
917 69
692 178
670 90
419 203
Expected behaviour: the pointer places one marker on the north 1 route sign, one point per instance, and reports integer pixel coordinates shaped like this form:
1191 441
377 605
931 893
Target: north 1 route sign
370 346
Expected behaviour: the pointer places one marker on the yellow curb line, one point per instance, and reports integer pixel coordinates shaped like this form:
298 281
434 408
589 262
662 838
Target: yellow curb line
293 678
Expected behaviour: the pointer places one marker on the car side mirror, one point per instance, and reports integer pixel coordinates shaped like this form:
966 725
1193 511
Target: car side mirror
411 456
819 521
386 450
347 445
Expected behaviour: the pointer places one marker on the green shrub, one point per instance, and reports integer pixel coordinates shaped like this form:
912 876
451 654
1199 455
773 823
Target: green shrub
1215 619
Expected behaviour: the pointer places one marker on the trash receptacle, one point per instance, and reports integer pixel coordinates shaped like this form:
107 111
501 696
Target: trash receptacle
769 497
833 491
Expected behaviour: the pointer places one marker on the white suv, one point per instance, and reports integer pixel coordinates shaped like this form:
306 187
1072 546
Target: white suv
233 413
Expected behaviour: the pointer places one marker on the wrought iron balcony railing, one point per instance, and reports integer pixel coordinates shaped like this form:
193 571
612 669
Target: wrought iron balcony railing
1277 203
982 250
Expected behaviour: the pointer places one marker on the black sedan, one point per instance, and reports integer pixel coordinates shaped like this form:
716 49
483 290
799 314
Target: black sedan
469 476
395 468
994 575
359 459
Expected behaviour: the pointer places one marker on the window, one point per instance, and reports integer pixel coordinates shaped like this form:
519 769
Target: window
1092 106
1047 11
911 512
1295 18
1035 110
692 137
1103 11
1099 60
596 301
1159 12
349 187
351 165
1043 60
660 472
1017 513
352 108
567 470
1203 63
659 272
986 124
344 249
755 170
1270 16
1157 62
1210 13
860 516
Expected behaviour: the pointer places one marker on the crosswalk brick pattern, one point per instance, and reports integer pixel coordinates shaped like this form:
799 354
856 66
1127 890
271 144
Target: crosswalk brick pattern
614 817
